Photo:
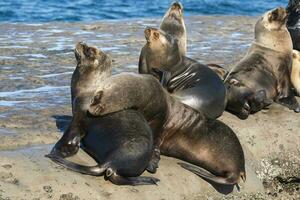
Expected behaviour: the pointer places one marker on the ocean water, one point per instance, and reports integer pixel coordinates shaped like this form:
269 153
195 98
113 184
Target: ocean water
91 10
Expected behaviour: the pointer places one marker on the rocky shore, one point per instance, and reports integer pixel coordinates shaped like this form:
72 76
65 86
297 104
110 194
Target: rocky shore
36 62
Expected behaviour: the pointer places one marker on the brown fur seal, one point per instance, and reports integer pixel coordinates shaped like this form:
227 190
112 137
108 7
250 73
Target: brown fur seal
191 82
173 24
293 24
263 75
295 73
180 131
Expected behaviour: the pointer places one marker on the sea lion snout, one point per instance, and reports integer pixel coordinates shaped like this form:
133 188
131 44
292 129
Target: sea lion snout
176 6
278 14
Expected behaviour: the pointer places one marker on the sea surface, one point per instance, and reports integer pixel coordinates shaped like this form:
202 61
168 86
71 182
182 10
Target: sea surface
91 10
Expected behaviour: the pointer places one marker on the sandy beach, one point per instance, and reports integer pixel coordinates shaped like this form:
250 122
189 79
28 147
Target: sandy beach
37 61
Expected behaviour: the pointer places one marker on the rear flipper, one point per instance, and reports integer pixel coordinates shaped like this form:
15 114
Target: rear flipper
153 164
112 176
231 178
290 102
89 170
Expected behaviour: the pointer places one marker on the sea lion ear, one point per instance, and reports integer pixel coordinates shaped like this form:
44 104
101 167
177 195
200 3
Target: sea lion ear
294 55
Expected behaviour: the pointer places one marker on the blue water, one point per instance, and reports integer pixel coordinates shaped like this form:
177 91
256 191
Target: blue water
91 10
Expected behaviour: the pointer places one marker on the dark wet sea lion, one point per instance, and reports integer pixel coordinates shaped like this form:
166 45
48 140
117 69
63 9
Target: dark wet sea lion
189 81
263 75
120 142
173 24
180 131
293 23
295 72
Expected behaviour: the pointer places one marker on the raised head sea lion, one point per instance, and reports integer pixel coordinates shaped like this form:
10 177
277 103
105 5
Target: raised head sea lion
180 131
173 24
93 66
295 72
189 81
263 75
293 23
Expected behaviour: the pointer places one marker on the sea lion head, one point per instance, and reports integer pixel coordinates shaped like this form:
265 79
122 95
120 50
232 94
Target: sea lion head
274 19
271 31
91 58
175 11
162 49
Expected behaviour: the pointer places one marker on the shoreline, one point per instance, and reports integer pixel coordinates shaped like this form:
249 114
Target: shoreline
33 118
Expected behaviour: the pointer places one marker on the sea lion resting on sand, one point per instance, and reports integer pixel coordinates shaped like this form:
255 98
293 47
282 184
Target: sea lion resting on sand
192 83
263 75
122 142
295 72
179 131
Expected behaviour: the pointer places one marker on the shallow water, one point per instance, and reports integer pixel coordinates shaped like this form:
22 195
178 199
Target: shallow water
37 60
90 10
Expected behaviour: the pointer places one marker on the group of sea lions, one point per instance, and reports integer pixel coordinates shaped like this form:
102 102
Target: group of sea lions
126 121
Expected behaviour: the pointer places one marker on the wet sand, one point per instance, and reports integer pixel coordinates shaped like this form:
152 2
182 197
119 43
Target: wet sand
36 62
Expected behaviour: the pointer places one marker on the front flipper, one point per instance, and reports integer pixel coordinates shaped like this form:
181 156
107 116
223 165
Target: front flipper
153 164
121 180
96 106
68 144
290 102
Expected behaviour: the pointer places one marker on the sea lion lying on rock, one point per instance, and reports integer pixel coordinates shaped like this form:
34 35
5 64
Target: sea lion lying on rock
179 130
192 83
263 75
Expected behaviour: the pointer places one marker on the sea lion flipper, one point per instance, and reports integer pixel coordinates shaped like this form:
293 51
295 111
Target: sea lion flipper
141 180
89 170
153 164
231 179
290 102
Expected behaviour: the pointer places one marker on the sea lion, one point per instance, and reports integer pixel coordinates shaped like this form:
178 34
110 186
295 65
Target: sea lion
173 24
191 82
293 25
93 66
122 142
180 131
263 75
295 73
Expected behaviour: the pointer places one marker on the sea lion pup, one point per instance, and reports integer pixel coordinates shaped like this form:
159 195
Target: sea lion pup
263 75
192 83
295 73
181 131
293 25
173 24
